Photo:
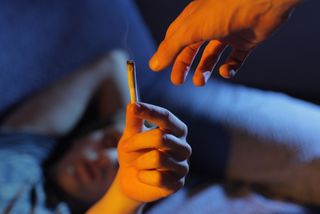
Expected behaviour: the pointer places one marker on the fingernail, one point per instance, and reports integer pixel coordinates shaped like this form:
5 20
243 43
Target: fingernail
232 72
206 75
154 63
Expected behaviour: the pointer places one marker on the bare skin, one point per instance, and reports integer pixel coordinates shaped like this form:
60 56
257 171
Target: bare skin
42 113
242 24
153 163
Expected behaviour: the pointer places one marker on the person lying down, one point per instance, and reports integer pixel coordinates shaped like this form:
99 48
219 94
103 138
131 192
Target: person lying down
121 166
152 163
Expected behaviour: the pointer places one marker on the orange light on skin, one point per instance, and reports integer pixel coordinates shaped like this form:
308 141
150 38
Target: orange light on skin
241 24
147 172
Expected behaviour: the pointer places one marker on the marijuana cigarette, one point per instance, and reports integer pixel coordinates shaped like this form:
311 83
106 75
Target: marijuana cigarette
133 89
132 81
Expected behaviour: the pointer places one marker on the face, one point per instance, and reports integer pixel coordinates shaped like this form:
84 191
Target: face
86 170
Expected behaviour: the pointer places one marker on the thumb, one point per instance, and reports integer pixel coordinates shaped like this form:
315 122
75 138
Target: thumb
133 123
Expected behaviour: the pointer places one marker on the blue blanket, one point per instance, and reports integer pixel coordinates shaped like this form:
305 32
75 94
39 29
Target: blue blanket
41 41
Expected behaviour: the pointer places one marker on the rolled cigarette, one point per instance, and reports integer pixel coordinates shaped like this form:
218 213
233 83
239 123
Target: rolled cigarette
132 81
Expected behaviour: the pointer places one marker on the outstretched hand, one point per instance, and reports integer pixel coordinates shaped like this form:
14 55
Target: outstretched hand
153 163
242 24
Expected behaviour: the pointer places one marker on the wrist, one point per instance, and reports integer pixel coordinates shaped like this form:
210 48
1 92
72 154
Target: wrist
116 202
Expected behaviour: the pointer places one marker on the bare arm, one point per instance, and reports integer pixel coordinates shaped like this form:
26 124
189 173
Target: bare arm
57 109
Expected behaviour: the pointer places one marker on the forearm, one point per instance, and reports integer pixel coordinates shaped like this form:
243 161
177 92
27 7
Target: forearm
115 202
57 109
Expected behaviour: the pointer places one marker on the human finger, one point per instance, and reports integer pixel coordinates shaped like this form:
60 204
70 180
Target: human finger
234 62
183 63
134 124
171 46
157 139
210 57
176 29
157 160
163 118
161 179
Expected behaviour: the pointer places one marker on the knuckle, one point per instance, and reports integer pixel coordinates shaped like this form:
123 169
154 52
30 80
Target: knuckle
166 114
183 60
194 47
187 55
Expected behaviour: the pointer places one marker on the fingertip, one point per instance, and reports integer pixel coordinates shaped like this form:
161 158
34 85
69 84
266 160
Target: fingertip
134 108
165 55
162 57
176 82
154 63
226 71
198 79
